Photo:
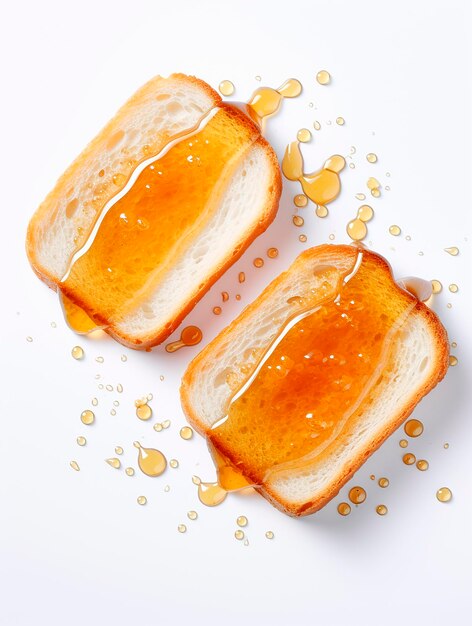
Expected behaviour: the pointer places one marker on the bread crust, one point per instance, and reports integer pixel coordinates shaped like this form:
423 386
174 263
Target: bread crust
441 362
46 211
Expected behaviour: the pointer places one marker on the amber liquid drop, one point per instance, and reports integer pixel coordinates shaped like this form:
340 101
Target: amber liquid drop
151 461
190 336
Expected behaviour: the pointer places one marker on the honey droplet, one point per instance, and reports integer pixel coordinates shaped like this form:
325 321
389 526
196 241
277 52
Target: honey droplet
269 534
242 521
94 401
119 179
403 443
436 286
100 359
109 388
304 135
300 200
446 446
381 509
323 77
454 344
302 238
118 450
365 213
226 88
395 230
174 463
196 480
217 310
239 534
453 288
453 360
77 353
167 488
144 412
449 305
192 515
142 500
340 121
258 262
357 230
224 296
186 432
272 253
182 528
81 441
166 424
129 471
331 237
384 482
321 210
373 183
241 277
114 462
190 336
157 427
444 494
413 428
316 125
371 157
291 88
75 466
87 417
151 461
29 339
422 465
453 250
211 494
357 495
344 508
360 196
298 220
124 358
409 458
372 477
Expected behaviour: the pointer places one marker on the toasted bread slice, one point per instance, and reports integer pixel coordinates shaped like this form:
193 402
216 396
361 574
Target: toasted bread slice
411 358
69 226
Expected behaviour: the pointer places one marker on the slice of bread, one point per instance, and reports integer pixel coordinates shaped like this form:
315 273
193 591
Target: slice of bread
161 113
415 361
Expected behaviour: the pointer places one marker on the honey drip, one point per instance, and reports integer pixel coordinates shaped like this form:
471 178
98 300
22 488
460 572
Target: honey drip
322 186
290 393
266 101
190 336
151 461
76 318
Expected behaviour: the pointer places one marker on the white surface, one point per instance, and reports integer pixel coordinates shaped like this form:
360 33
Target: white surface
75 548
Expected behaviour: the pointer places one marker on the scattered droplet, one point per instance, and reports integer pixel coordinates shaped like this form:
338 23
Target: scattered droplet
304 135
453 250
323 77
272 253
192 515
298 220
241 277
94 401
446 446
81 441
409 458
344 508
151 461
384 482
226 88
453 288
269 534
395 230
316 125
224 296
186 432
142 500
371 157
302 238
174 463
239 534
129 471
119 388
118 450
99 359
182 528
29 339
436 286
166 424
190 336
143 410
75 466
77 353
321 210
360 196
217 310
87 417
422 465
242 521
444 494
413 428
300 200
381 509
340 121
114 462
258 262
124 358
453 360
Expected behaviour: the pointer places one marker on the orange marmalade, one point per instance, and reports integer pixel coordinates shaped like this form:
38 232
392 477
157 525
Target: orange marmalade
317 375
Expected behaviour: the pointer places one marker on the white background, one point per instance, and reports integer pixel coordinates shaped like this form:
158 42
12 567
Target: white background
75 548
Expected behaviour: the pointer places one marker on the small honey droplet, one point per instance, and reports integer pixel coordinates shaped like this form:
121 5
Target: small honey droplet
444 494
239 534
300 200
94 401
375 193
357 495
196 480
211 494
119 388
114 462
241 521
357 230
372 477
109 387
316 125
422 465
373 183
323 77
192 515
453 250
99 359
144 412
241 277
344 508
453 360
226 88
118 450
142 500
454 344
182 528
446 446
360 196
321 210
453 288
303 135
272 253
371 157
384 482
190 336
129 471
174 463
167 488
302 238
186 432
340 121
87 417
151 461
258 262
381 509
395 230
269 534
409 458
403 443
331 237
413 428
217 310
29 339
124 358
157 427
75 466
298 220
224 296
81 441
77 353
436 286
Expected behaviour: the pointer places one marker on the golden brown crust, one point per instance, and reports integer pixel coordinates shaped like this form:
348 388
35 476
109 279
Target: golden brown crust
47 209
441 361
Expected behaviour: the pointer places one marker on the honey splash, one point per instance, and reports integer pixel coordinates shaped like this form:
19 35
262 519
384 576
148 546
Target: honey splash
190 336
322 186
303 395
151 461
